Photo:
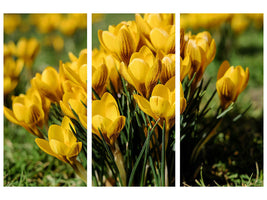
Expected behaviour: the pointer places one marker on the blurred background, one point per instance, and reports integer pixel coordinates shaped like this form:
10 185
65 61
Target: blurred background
234 156
39 40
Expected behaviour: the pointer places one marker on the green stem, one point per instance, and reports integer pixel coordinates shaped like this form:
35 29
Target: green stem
163 156
79 170
118 158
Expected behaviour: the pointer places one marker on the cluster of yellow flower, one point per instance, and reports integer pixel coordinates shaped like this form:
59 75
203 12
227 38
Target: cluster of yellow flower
143 53
51 26
45 23
196 53
68 88
15 57
238 22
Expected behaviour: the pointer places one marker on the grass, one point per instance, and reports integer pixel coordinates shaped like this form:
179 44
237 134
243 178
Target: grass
26 165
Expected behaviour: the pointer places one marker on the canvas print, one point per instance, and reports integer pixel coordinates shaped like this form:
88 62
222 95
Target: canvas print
221 99
133 99
45 99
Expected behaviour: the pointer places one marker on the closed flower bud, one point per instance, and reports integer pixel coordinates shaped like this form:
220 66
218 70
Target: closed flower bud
106 118
202 49
27 112
231 81
49 84
28 50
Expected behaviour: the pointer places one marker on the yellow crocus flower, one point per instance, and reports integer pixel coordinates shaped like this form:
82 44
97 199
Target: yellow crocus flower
121 40
11 22
12 70
49 84
99 78
231 81
9 49
27 50
161 103
143 71
27 112
99 57
182 99
202 49
107 118
61 143
74 97
157 31
76 70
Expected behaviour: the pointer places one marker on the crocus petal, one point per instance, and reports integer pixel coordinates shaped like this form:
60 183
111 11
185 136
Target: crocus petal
44 146
56 132
160 106
161 91
116 126
158 38
223 68
10 115
58 147
138 69
152 76
75 149
144 105
124 72
142 25
100 122
19 111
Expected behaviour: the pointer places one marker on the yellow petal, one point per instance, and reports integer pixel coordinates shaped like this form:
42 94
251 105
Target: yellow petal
124 72
10 115
223 68
226 91
234 74
160 106
66 123
152 77
34 114
182 104
59 147
170 44
125 44
159 38
143 27
102 123
171 84
44 145
107 40
20 111
56 132
75 150
144 105
116 126
161 91
138 69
